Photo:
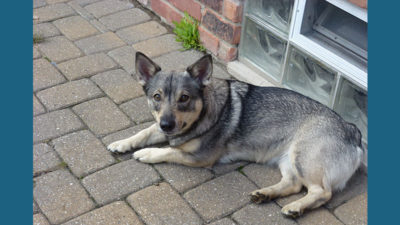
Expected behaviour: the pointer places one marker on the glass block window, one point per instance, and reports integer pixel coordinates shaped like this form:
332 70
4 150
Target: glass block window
263 48
307 76
269 46
278 13
352 105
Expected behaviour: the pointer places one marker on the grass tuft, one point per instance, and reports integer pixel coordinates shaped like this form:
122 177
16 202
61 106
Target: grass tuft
187 32
37 39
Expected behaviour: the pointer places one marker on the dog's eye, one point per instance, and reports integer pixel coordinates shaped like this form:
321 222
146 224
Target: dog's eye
183 98
157 97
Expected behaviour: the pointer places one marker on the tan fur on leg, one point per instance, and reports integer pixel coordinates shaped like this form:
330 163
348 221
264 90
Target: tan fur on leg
148 136
287 186
174 155
315 197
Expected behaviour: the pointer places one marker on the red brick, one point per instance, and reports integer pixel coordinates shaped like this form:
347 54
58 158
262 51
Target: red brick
209 40
227 31
233 10
360 3
214 4
189 6
165 10
227 52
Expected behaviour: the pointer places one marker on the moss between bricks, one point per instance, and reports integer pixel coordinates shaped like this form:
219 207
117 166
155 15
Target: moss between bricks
37 39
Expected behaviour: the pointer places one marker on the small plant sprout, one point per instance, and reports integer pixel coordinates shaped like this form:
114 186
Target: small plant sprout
37 39
187 32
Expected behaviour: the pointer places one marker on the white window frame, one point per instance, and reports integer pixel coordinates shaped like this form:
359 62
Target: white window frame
348 70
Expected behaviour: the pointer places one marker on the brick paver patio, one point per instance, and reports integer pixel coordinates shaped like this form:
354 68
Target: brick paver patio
85 97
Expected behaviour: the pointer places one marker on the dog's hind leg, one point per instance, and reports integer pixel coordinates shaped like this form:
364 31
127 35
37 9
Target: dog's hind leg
316 196
148 136
289 184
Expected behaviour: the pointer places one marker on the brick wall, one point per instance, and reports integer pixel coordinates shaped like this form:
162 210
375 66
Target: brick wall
220 21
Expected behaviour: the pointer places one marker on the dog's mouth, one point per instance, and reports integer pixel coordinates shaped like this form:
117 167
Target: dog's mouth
169 133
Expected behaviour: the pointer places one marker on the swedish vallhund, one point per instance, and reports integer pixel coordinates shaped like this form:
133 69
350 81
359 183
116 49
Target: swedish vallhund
207 120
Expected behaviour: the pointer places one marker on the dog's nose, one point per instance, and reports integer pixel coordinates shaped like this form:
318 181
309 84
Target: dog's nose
167 125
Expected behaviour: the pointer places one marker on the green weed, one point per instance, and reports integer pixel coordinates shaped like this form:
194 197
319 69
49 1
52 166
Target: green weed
187 32
37 39
240 169
62 165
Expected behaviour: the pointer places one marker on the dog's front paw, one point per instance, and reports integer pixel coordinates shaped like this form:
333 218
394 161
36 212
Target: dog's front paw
150 155
258 197
119 146
292 210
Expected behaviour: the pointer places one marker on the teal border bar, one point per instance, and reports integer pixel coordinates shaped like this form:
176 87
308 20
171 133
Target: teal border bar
16 111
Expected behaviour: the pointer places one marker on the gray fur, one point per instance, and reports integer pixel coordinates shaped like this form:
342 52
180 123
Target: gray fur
311 143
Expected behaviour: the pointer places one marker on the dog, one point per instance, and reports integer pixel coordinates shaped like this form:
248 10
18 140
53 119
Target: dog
207 120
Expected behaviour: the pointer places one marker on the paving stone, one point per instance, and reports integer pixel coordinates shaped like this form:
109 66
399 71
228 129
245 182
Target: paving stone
317 217
218 72
59 49
81 11
83 152
45 30
358 184
138 110
119 180
262 175
141 32
35 207
99 43
354 211
158 46
39 219
182 177
54 124
36 53
224 221
125 56
125 133
254 214
85 2
53 12
118 85
38 3
56 1
160 204
60 196
45 75
115 213
68 94
86 66
102 116
106 7
99 26
222 168
44 158
178 60
220 196
37 107
75 27
124 18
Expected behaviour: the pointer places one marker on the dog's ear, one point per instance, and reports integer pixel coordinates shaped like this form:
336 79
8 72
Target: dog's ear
202 69
145 68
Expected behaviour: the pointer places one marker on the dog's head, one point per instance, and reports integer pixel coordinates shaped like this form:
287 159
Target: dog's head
175 98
